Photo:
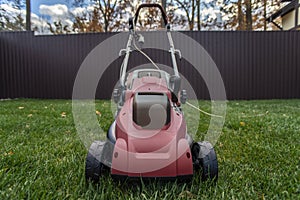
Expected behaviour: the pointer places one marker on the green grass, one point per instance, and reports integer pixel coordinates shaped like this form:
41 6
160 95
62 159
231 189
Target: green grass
41 156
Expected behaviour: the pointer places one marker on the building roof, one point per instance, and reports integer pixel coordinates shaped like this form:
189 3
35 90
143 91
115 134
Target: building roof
283 11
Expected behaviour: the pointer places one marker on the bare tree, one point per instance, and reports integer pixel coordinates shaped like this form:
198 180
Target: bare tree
240 16
88 23
13 22
164 6
189 8
265 15
59 28
28 15
107 9
248 15
198 4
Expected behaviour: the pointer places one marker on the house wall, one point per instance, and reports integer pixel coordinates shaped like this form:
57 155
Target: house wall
288 20
299 15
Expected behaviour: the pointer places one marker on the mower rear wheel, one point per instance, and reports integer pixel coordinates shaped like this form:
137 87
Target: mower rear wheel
93 165
205 158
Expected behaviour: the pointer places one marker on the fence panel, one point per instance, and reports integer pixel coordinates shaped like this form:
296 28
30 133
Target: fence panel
253 65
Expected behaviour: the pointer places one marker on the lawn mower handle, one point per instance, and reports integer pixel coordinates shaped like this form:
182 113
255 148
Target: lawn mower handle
175 80
151 5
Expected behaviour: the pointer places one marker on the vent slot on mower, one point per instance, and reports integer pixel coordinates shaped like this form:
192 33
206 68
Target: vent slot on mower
151 110
149 73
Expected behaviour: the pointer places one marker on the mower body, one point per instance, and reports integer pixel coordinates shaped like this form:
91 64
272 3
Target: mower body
150 131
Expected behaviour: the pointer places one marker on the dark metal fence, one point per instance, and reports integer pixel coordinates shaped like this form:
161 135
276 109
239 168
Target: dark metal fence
253 65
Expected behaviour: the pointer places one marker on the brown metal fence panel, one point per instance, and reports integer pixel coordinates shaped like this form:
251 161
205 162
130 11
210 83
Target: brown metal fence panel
253 65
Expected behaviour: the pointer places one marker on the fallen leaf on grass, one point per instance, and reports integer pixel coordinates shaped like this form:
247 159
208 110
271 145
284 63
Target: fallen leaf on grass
30 115
63 114
21 107
98 113
187 195
9 153
242 123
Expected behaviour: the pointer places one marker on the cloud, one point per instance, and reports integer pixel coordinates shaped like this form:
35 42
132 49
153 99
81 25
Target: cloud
56 12
60 12
49 14
10 11
36 21
79 11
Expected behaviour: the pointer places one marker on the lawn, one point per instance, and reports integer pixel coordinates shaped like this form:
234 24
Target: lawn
42 157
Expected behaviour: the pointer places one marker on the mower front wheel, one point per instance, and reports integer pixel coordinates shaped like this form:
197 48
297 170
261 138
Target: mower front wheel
93 165
205 158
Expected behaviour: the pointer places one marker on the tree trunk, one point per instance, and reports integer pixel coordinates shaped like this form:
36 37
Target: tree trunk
248 15
28 13
265 15
164 6
240 16
198 15
193 16
106 24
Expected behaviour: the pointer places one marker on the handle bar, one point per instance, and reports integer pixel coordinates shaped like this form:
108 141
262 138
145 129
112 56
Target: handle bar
151 5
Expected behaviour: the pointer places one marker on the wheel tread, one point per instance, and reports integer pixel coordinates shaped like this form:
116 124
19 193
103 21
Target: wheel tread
206 159
93 165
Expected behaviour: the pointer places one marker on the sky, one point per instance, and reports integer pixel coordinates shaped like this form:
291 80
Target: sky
54 8
49 11
35 4
42 12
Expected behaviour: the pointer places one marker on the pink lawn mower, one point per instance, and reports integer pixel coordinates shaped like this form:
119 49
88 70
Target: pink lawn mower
149 138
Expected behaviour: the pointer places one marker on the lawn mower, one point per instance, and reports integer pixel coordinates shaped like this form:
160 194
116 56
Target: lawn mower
148 138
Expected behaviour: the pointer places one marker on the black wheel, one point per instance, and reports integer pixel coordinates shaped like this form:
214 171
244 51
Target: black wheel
93 165
205 158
